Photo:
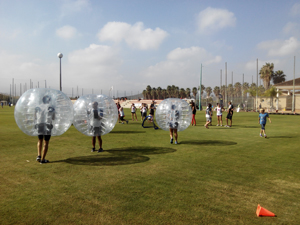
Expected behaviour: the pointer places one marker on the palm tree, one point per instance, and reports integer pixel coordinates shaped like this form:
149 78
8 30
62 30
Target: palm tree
230 90
188 93
261 90
158 92
148 89
237 89
278 77
169 91
153 93
145 94
176 92
245 88
266 73
194 91
271 92
182 93
223 91
216 90
202 89
208 91
164 93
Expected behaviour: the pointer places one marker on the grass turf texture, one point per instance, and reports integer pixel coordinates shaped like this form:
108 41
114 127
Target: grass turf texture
213 176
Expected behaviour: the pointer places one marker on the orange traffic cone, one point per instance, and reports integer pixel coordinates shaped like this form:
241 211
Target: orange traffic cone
260 211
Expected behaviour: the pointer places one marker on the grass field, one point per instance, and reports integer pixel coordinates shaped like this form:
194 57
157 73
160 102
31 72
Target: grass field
213 176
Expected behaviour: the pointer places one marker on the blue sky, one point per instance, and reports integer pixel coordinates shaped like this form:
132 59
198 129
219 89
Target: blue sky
132 44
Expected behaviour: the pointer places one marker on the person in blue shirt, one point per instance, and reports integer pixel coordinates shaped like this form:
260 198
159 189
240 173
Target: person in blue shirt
262 120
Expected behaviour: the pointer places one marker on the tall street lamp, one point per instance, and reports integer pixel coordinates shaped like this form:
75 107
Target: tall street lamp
60 55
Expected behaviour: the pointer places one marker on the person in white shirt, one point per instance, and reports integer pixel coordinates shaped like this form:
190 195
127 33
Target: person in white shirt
219 110
122 115
133 112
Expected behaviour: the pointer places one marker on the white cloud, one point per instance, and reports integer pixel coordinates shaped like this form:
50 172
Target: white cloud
136 36
181 67
295 10
280 47
292 29
66 32
212 20
71 6
95 55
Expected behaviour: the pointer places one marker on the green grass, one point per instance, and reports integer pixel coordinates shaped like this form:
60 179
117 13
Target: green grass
213 176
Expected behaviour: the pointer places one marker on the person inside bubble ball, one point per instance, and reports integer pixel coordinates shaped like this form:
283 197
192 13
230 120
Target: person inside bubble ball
173 116
44 114
95 116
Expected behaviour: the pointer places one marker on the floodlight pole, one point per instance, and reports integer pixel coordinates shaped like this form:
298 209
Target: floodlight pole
256 84
200 87
60 55
293 105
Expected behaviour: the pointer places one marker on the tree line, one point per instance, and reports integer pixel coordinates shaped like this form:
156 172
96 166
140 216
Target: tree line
267 74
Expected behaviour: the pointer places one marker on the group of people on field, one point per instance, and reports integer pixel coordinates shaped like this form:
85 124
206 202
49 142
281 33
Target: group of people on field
46 113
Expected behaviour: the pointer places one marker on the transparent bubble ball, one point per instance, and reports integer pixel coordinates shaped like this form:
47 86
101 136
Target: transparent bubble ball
95 115
173 113
44 111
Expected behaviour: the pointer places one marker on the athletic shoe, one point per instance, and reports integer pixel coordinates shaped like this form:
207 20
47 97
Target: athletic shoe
260 135
171 141
265 136
100 150
176 142
44 161
122 123
221 125
206 127
93 149
38 158
217 125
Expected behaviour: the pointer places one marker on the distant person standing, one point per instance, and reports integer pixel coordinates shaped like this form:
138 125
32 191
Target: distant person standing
2 104
193 106
133 112
219 110
229 114
262 120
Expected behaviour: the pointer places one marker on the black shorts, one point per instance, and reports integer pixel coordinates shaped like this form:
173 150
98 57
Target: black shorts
144 114
96 131
229 116
46 137
44 129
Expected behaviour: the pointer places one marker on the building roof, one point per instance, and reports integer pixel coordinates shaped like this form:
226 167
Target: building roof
288 85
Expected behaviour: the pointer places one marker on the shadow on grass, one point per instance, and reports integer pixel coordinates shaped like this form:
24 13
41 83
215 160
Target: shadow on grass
105 160
282 137
126 132
208 142
242 126
141 150
119 156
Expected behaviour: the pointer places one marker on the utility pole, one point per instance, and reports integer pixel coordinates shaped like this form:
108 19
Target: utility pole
293 104
200 87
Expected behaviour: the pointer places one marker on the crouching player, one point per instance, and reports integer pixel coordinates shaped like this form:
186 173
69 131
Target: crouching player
262 120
